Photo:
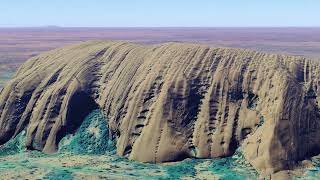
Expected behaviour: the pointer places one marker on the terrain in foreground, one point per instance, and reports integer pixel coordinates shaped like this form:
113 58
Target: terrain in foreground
96 160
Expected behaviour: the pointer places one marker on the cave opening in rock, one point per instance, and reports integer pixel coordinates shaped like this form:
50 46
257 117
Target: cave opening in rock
80 106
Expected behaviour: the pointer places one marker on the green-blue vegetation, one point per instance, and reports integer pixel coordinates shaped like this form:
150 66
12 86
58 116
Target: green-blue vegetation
58 174
13 146
91 138
5 76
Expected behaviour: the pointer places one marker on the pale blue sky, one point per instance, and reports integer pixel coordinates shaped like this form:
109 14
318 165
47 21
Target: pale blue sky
165 13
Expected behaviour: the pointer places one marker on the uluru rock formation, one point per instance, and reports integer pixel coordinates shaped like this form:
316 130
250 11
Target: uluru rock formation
170 101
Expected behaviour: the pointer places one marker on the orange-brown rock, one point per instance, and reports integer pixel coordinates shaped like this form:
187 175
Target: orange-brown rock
170 101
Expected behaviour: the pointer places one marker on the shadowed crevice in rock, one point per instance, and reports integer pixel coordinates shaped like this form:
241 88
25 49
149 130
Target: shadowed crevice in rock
80 105
193 103
20 98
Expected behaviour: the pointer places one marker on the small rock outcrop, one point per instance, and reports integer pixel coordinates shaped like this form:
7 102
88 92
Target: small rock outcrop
170 101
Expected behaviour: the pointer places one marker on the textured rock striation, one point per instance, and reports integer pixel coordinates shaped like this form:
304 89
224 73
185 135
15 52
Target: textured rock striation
170 101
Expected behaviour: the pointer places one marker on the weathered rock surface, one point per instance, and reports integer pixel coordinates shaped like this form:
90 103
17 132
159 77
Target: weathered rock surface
170 101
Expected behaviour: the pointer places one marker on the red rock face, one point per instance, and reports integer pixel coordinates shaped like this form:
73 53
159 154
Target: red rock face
170 101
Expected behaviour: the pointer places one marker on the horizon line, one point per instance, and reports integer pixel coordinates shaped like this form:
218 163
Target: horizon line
137 27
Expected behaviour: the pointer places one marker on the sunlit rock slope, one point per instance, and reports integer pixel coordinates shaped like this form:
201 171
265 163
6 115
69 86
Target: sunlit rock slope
170 101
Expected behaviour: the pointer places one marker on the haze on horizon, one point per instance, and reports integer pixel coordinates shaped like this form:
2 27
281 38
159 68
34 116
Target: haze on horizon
167 13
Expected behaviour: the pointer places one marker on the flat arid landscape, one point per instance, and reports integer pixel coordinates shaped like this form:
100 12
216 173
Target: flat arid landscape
160 90
19 44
